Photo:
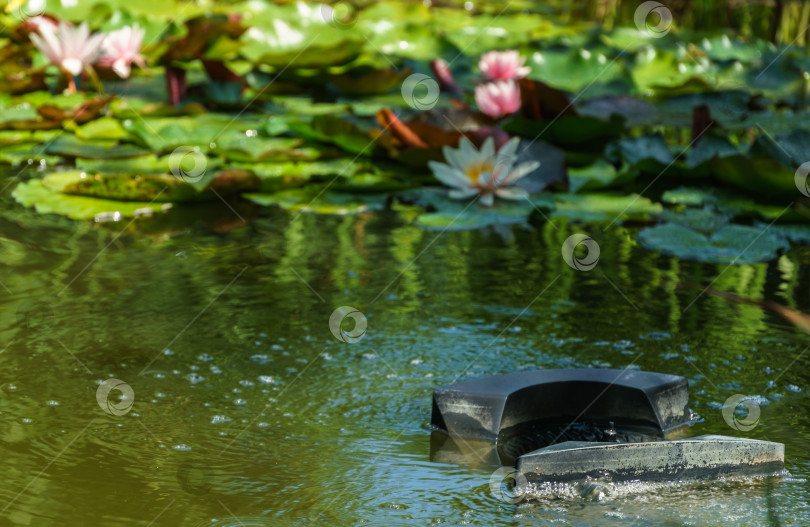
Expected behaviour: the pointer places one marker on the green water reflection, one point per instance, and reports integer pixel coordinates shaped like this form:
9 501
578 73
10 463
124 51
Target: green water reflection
258 415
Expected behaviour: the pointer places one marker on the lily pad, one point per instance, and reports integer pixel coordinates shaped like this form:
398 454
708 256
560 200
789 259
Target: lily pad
737 244
605 207
312 199
34 194
70 146
600 174
449 214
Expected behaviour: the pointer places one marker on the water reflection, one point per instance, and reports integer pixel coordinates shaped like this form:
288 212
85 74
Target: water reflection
247 408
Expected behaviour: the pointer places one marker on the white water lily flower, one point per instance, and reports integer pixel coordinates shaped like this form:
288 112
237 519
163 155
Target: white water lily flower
71 49
483 172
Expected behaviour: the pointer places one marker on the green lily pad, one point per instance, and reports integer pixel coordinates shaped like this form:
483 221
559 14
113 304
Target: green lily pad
34 194
103 128
605 207
738 244
240 147
124 187
312 199
600 174
70 146
704 220
728 203
450 214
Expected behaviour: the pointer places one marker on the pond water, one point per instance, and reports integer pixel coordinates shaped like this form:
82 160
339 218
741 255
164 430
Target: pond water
248 411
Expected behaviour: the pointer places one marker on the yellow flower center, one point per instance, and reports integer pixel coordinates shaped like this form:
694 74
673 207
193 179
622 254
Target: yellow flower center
474 171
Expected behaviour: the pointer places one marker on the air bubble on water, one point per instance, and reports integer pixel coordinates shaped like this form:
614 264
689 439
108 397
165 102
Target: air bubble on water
182 447
205 357
262 425
768 369
261 359
194 367
193 378
219 419
246 382
263 335
168 352
416 362
276 347
214 369
56 403
236 390
258 343
12 387
266 379
240 402
26 421
771 384
160 395
793 388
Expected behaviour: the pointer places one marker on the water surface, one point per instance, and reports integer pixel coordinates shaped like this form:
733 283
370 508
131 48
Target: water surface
248 411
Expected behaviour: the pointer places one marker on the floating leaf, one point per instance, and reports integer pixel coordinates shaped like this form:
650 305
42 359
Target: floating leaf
605 207
45 201
70 146
313 199
450 214
737 244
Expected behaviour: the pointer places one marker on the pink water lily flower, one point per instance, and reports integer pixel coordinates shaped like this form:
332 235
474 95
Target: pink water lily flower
498 99
503 65
472 172
120 50
71 49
